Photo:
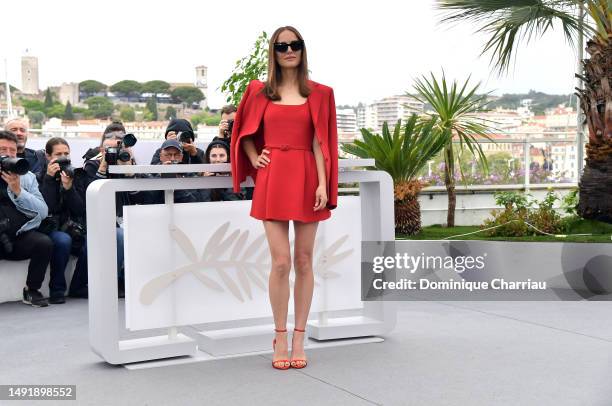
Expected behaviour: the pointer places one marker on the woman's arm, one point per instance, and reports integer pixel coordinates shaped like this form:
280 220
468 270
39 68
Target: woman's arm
321 193
258 161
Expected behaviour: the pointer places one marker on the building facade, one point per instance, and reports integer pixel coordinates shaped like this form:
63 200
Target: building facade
29 75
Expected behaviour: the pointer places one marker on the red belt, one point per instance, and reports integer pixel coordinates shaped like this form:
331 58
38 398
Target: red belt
287 147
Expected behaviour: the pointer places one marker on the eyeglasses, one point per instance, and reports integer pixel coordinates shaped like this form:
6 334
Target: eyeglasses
283 46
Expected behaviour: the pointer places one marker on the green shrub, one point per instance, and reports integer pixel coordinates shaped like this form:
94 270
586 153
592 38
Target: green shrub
522 210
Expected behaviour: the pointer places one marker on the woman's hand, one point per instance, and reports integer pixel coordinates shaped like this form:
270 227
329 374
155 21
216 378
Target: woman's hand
320 198
262 160
52 168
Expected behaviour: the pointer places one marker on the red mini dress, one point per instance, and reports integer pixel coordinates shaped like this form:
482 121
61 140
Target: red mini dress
285 188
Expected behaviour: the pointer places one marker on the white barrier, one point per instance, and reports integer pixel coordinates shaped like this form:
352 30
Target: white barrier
174 302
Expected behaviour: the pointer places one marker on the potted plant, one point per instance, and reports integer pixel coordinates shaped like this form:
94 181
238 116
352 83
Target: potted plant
402 154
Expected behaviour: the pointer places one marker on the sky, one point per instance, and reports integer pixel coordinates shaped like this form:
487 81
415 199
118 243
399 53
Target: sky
364 50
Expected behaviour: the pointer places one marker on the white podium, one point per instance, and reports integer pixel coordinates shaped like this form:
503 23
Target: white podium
233 335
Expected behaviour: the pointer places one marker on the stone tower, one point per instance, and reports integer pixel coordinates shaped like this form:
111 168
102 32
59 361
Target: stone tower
29 74
202 83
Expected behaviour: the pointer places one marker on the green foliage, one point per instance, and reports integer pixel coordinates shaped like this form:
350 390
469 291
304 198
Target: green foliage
127 113
151 113
508 223
91 87
213 120
187 95
569 203
48 98
170 113
68 113
513 200
33 105
509 22
401 154
522 210
36 118
126 88
545 218
454 106
99 106
156 87
57 110
250 67
577 226
205 118
539 101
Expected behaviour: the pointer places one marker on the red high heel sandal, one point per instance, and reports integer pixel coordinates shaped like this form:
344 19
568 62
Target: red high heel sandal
298 363
280 363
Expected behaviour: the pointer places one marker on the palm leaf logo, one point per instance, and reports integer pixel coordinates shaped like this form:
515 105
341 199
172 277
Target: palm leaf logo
238 265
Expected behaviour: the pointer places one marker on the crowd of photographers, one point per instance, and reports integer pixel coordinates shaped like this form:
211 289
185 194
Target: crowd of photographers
42 197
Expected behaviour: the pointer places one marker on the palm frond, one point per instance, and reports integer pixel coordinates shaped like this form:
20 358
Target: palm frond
402 153
454 108
509 22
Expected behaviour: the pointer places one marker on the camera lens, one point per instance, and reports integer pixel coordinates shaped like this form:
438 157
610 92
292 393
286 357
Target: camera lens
124 156
14 165
129 140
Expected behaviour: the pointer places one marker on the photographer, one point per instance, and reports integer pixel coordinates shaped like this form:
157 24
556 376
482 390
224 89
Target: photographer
217 152
171 153
181 130
65 223
226 125
22 209
20 128
96 168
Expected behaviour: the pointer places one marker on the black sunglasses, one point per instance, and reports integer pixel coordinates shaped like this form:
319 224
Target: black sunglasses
283 46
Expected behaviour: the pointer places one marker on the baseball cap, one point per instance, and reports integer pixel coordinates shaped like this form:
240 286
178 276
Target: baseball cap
172 144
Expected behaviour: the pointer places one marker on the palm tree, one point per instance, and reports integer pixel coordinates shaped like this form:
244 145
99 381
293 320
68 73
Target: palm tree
509 22
454 107
403 155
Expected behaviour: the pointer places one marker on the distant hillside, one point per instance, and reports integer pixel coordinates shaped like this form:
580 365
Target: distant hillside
539 101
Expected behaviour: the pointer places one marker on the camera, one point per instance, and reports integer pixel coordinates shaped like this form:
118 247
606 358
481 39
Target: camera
230 127
18 166
5 241
64 164
119 153
185 137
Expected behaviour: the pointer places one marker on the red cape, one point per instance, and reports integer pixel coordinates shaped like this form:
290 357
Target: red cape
248 122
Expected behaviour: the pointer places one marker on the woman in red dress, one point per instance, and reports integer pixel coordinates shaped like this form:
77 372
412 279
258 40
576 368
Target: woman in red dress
285 138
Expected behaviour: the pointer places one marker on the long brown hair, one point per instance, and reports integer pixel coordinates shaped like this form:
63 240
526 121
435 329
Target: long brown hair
274 70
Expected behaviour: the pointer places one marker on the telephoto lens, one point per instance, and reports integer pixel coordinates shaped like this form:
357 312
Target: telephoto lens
18 166
124 156
129 140
184 137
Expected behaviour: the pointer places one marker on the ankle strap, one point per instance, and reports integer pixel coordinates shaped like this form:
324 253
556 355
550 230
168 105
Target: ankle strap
280 331
297 329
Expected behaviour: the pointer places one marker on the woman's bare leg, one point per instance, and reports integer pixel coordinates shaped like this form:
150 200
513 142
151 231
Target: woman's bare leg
277 233
304 282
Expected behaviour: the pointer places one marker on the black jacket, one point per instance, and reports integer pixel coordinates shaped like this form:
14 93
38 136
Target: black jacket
36 159
62 203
